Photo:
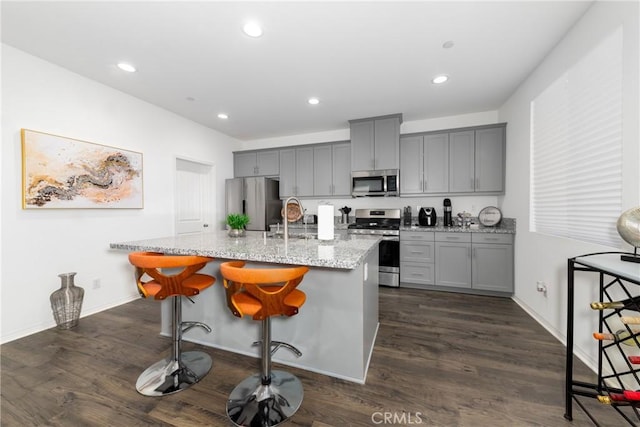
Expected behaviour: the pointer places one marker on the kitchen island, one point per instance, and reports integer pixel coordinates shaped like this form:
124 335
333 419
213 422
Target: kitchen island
336 327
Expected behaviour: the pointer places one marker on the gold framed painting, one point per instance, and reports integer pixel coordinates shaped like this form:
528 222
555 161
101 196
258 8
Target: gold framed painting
65 173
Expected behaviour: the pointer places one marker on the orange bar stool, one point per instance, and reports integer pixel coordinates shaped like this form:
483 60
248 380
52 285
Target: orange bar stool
270 397
182 369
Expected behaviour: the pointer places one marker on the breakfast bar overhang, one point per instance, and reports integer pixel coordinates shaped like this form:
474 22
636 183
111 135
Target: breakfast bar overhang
337 326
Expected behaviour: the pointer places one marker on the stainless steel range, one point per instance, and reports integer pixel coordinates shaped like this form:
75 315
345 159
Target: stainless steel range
385 222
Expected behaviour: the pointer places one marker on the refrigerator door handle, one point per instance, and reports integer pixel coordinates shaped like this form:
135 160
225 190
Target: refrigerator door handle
244 211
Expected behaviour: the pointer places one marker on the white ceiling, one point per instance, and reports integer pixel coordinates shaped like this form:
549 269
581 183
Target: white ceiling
362 59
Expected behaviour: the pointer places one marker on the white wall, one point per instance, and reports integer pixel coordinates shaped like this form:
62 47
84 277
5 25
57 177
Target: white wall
540 257
37 245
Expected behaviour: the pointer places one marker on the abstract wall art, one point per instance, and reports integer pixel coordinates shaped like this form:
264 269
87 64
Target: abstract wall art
60 172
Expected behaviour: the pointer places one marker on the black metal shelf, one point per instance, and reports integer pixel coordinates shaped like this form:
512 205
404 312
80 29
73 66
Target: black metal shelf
616 276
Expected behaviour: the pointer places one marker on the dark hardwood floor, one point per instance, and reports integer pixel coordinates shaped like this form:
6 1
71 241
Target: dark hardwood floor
441 359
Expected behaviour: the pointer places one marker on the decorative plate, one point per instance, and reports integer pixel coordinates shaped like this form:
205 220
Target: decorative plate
294 212
490 216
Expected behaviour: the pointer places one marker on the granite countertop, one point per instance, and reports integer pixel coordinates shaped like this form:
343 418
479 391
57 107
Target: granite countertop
344 252
506 226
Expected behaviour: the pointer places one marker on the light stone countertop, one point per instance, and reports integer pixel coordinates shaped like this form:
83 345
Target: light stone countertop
344 252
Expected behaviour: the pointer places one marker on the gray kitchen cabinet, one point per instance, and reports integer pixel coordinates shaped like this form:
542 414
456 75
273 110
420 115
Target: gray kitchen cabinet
316 170
323 170
375 143
436 163
304 171
341 173
411 164
490 159
477 160
424 164
417 254
453 260
287 172
332 170
492 262
462 162
256 163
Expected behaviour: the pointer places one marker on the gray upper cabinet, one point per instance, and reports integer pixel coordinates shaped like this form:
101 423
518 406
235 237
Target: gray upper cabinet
332 170
436 163
341 173
316 170
461 161
424 164
287 172
304 171
411 164
464 161
323 171
375 143
256 163
490 159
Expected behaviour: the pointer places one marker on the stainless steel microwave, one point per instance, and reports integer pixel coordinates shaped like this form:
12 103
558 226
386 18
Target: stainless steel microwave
375 183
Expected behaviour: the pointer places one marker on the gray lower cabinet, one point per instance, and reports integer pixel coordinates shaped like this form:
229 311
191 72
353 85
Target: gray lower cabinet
471 262
256 163
453 259
417 254
492 262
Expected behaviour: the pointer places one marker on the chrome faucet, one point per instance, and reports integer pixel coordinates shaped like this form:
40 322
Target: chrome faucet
286 217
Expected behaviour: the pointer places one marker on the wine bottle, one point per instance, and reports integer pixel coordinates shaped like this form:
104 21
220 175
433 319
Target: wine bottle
634 359
628 304
622 336
612 398
630 320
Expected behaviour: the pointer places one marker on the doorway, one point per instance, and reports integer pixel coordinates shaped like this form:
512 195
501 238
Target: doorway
195 196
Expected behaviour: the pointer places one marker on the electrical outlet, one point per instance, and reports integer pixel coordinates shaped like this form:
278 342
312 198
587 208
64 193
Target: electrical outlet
541 287
96 284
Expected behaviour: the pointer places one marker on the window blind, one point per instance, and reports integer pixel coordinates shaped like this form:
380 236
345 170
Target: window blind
576 149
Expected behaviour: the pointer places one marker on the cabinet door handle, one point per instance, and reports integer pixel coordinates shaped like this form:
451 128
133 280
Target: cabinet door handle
491 238
468 252
475 252
416 252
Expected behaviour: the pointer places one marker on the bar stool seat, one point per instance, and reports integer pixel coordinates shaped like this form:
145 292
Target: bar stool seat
272 396
181 369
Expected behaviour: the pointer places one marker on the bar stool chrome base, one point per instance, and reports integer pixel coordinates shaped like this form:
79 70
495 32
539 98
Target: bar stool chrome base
252 403
171 376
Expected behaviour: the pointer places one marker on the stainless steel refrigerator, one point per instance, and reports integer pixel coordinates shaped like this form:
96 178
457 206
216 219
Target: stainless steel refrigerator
258 197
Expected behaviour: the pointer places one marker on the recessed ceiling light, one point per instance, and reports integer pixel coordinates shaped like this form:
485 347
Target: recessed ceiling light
448 44
439 79
127 67
252 29
223 116
313 101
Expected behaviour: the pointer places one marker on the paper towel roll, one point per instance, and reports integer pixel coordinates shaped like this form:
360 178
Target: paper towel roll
325 222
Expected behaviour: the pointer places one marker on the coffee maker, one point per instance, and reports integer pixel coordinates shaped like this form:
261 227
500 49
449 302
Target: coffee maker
448 220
